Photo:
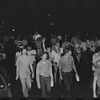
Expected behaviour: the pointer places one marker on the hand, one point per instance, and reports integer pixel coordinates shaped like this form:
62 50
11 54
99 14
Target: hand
32 75
38 85
52 83
94 96
43 40
77 77
61 78
16 77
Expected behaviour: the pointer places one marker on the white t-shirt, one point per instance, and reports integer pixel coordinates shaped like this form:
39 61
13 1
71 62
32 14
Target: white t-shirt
18 54
36 36
56 57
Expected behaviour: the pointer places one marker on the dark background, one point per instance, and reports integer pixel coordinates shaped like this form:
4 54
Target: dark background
66 15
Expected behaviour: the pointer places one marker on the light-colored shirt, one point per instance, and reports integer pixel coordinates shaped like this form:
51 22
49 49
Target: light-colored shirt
98 43
18 54
23 63
36 36
32 54
56 56
95 58
66 63
44 69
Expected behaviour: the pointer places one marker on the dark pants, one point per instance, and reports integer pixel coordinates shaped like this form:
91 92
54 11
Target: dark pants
98 92
45 86
67 77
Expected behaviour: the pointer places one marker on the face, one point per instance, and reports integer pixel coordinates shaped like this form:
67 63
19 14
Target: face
48 49
44 57
24 51
70 52
29 48
57 44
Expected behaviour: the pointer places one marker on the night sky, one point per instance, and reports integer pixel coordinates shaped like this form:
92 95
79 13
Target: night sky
66 15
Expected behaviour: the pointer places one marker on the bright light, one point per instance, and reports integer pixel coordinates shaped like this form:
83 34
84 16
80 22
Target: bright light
49 14
13 30
51 24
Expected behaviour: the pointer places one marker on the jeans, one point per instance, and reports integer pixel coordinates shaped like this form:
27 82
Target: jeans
98 92
26 84
67 78
45 86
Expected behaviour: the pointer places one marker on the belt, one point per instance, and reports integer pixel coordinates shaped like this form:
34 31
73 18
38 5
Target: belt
67 72
38 48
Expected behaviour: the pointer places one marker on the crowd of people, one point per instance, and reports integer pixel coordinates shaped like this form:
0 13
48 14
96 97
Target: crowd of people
51 60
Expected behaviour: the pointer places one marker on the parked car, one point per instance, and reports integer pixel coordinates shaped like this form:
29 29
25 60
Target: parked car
5 90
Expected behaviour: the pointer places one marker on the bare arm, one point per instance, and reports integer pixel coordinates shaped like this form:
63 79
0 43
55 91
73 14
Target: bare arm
94 86
44 48
51 75
37 75
17 66
74 67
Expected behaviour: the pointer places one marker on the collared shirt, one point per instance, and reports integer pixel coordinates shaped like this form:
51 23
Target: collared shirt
44 69
23 63
66 63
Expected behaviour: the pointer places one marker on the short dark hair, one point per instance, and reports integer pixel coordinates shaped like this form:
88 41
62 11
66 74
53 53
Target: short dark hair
67 49
46 54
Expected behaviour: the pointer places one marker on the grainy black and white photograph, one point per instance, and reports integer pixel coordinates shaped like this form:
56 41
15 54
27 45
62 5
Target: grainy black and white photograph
50 48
